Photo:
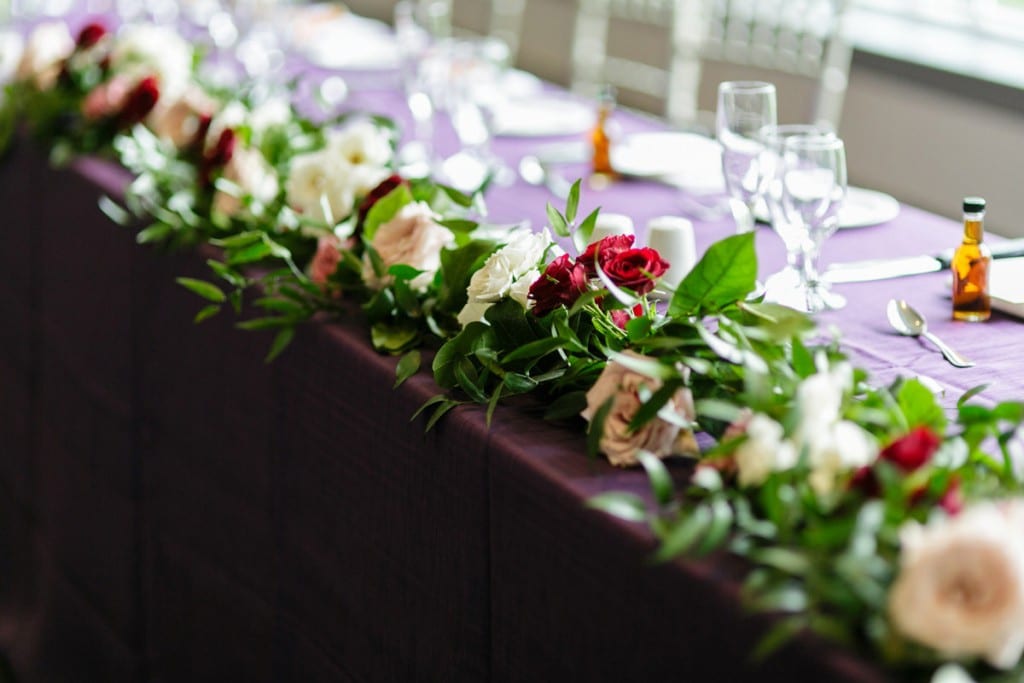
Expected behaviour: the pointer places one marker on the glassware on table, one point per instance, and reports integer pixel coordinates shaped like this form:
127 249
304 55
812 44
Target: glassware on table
813 188
414 38
785 286
745 108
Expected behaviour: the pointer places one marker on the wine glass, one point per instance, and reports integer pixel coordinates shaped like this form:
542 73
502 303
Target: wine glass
786 286
744 109
813 188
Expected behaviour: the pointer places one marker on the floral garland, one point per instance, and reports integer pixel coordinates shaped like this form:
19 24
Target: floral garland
867 514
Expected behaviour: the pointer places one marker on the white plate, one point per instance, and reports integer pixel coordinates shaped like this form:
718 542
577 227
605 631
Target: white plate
1006 285
861 209
542 116
347 41
685 160
867 207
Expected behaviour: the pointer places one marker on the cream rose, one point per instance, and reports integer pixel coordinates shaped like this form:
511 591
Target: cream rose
11 48
178 121
411 238
315 180
764 451
960 588
508 272
147 49
660 436
361 144
48 45
252 175
836 449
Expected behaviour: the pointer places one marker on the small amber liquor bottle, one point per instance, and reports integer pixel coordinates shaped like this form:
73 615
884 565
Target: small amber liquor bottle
970 266
601 136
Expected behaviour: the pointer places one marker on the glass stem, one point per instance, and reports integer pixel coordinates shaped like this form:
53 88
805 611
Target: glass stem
743 214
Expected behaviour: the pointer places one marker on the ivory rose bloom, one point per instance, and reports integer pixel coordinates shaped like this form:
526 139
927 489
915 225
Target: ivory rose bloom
253 176
11 47
150 50
764 451
412 238
508 272
48 45
960 589
660 436
835 450
179 121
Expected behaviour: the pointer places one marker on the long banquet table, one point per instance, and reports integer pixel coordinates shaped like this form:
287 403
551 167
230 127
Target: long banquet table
172 509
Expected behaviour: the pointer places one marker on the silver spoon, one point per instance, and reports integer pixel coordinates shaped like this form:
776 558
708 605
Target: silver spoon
906 320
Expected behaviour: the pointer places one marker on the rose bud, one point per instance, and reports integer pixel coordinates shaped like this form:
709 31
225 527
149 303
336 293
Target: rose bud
913 450
90 35
139 103
604 251
621 317
561 284
376 194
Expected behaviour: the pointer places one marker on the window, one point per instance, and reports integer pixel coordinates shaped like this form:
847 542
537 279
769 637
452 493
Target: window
1003 18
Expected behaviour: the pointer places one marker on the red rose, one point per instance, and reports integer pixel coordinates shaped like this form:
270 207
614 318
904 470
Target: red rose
139 103
913 450
621 316
90 35
952 500
604 251
218 156
376 194
636 269
561 284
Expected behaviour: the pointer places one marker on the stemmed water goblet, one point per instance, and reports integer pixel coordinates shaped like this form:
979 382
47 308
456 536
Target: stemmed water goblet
813 188
745 108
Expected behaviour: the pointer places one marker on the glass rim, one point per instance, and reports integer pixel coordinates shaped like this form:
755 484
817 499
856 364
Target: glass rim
814 142
745 87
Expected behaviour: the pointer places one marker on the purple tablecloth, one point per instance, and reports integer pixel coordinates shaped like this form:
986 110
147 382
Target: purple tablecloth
172 509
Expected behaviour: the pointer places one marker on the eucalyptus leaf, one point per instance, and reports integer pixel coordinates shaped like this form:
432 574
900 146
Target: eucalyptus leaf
281 341
408 365
661 481
627 506
206 290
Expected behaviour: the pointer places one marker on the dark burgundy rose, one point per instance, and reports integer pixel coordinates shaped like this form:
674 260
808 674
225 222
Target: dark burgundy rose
621 316
139 103
218 156
635 269
376 194
913 450
604 251
90 35
561 284
866 481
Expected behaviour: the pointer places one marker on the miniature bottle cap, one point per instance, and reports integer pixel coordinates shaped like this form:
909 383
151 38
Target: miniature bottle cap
974 204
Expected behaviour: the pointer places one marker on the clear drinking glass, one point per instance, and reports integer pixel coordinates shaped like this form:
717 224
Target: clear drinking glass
786 286
813 188
745 108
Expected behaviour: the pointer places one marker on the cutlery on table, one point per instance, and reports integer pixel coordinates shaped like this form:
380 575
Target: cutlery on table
906 320
883 269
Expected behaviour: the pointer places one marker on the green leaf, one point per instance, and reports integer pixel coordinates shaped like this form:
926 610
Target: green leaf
474 336
512 327
396 338
457 267
250 254
206 313
281 341
237 241
572 203
725 274
441 411
566 406
596 428
920 407
493 403
407 366
386 208
268 323
154 233
649 408
718 531
681 537
803 361
113 210
519 384
557 220
780 635
459 224
661 481
971 393
207 290
777 322
627 506
404 272
433 400
647 366
535 349
581 236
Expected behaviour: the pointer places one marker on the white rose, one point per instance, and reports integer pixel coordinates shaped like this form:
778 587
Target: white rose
361 144
836 449
491 282
155 50
524 251
520 289
360 180
764 451
254 177
273 112
820 397
473 312
314 178
411 238
178 121
11 48
960 588
48 45
660 436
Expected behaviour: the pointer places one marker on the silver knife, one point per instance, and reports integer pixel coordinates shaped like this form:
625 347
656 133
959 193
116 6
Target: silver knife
883 269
